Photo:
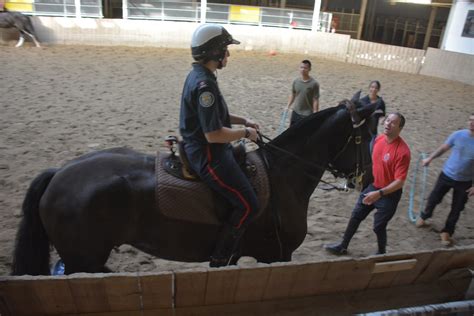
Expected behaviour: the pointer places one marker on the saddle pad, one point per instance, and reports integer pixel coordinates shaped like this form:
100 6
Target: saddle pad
194 201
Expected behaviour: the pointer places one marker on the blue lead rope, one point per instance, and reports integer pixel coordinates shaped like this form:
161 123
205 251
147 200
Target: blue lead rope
283 118
412 214
58 268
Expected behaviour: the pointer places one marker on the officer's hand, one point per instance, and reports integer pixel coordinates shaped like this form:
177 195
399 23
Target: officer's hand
252 124
253 134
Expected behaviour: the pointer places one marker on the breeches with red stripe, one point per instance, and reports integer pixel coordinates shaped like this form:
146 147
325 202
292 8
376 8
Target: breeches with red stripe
220 172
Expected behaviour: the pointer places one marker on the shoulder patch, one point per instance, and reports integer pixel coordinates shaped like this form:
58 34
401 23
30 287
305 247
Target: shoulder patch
206 99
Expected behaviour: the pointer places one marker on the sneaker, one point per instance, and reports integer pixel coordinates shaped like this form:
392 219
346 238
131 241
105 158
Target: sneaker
336 249
420 222
446 239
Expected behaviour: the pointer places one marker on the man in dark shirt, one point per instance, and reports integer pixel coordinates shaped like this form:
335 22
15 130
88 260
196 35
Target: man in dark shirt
205 125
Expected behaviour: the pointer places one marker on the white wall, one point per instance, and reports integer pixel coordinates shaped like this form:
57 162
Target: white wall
57 30
452 40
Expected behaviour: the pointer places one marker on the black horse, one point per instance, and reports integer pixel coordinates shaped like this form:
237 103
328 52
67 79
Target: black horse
107 198
20 22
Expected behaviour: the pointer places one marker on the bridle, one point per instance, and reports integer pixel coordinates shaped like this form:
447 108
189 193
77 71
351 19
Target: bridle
356 137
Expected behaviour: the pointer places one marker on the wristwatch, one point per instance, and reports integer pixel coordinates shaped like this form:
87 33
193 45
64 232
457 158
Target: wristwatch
381 192
247 133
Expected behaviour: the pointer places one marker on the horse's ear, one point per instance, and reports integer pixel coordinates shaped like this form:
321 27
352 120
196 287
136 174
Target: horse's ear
356 96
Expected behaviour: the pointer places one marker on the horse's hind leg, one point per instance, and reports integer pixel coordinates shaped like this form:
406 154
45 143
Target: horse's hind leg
21 40
33 38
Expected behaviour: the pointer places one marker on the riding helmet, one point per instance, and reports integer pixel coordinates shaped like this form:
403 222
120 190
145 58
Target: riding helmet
210 41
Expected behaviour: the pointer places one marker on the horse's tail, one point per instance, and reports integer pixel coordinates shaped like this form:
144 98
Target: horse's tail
31 254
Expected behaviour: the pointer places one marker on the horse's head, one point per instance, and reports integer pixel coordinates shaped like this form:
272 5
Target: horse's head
335 139
349 140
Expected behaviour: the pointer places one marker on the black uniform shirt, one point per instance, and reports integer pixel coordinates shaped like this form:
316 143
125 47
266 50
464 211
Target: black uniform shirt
203 109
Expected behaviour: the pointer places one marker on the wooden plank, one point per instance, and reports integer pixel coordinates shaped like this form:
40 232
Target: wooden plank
190 288
381 280
347 275
409 276
335 304
391 266
280 281
123 292
308 278
89 293
116 313
251 284
157 290
55 295
323 305
221 286
402 296
436 267
20 298
151 312
462 258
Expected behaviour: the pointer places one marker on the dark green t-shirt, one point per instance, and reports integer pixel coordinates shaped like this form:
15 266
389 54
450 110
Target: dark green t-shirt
305 92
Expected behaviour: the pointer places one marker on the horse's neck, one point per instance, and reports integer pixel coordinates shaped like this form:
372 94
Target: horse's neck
291 175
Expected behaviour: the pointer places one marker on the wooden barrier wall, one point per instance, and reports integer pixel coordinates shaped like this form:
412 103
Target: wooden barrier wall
385 56
334 287
449 65
340 47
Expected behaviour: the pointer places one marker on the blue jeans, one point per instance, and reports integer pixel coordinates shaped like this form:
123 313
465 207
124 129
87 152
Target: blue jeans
386 207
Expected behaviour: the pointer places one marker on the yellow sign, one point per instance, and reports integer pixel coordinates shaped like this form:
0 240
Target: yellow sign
19 5
240 13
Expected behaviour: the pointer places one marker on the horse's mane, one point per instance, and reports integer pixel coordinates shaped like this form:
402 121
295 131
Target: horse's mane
304 129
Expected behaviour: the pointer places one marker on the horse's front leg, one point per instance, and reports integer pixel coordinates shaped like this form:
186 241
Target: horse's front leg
21 40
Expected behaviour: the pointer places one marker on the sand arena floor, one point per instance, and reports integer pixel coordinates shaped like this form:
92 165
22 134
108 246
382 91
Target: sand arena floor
60 102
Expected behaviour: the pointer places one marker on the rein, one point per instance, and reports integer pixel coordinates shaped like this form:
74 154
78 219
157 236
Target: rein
310 164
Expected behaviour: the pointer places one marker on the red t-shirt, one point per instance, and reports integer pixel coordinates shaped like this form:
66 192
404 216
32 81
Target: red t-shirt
390 161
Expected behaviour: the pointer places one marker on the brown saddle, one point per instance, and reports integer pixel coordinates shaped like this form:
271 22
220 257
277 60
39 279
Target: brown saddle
181 195
180 167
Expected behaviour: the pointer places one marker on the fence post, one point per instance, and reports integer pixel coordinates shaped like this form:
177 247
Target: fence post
317 9
203 10
124 9
77 4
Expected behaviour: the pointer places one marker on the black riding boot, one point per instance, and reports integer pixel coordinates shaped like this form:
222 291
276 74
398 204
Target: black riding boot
381 242
341 248
350 231
226 246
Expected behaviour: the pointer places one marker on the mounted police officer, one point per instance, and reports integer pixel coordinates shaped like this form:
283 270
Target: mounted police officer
205 125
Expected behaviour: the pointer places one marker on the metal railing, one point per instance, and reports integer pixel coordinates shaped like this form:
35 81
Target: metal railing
177 11
224 13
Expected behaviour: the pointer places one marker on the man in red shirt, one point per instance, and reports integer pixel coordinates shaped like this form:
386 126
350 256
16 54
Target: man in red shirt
390 162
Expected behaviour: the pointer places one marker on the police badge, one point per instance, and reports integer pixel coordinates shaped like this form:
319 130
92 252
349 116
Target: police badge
206 99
